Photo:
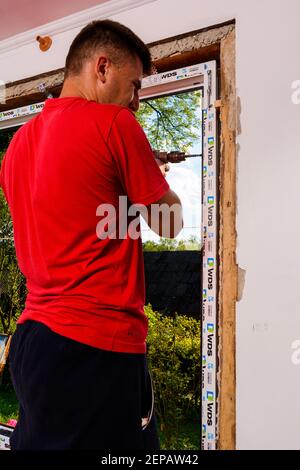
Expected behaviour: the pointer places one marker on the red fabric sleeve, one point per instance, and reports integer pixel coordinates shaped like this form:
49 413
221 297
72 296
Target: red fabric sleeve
1 175
137 169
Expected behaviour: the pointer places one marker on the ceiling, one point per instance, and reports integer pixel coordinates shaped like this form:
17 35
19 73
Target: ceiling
17 16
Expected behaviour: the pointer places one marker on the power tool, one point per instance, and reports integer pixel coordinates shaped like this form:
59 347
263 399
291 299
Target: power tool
174 156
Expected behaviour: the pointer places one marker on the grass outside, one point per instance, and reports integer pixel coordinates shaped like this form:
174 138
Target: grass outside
186 436
9 406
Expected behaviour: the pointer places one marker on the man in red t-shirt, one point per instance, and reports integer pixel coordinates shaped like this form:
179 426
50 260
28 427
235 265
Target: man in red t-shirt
70 176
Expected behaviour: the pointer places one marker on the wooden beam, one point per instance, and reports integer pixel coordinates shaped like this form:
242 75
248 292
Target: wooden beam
5 356
180 51
27 91
184 59
227 250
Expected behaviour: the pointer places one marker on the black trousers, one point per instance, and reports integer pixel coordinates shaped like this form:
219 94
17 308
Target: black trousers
73 396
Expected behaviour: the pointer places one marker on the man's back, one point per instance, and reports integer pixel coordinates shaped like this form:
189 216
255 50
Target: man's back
63 164
81 337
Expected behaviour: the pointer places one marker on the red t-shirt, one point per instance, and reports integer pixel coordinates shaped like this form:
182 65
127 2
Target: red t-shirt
59 167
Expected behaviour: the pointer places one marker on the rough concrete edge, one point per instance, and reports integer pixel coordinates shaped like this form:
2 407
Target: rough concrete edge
30 87
23 88
195 41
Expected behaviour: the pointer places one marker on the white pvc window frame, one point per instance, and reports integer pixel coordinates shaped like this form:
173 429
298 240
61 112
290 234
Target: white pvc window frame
18 116
186 79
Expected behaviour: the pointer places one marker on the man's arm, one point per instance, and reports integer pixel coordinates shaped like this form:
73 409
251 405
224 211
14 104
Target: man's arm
164 216
141 176
173 222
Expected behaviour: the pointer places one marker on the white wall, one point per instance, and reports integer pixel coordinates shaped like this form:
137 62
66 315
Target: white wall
268 316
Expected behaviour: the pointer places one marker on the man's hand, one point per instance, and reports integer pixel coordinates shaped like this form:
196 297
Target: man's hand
175 156
161 160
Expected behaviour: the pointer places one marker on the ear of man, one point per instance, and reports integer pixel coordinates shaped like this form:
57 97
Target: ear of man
102 66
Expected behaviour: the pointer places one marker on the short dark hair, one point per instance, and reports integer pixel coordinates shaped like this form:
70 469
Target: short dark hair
111 35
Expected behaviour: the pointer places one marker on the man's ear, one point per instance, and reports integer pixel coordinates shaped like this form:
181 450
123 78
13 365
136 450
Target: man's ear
102 67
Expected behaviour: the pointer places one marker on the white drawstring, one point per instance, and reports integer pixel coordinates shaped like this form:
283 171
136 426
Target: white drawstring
146 421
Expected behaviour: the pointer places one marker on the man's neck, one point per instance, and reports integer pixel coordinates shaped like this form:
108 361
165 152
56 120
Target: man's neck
72 88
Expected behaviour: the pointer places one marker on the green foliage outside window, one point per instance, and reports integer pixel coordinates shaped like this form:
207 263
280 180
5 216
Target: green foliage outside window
174 362
12 282
172 122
